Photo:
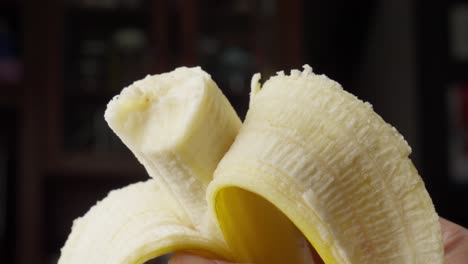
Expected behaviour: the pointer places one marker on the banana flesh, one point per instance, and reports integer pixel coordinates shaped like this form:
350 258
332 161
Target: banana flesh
134 224
334 167
311 163
178 125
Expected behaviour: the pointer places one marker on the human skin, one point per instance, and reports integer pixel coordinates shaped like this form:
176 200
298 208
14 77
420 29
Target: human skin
455 242
455 239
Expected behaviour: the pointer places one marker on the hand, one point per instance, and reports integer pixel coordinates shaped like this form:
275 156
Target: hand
455 243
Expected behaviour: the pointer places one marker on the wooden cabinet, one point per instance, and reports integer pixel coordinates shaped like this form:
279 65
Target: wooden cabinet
11 54
443 58
78 54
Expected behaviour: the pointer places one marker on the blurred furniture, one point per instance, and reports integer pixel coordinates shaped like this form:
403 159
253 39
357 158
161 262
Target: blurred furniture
77 54
443 57
10 99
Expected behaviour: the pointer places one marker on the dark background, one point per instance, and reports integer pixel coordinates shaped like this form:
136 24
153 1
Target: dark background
62 61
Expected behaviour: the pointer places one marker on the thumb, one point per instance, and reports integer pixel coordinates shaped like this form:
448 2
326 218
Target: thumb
183 258
455 241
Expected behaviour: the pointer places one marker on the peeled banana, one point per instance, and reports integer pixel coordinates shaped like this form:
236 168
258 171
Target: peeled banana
310 164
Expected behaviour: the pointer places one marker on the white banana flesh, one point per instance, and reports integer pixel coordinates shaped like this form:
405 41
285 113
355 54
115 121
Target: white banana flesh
334 167
311 163
178 125
134 224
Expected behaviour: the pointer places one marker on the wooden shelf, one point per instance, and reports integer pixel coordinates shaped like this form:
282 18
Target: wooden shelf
10 6
89 97
92 165
11 94
83 16
458 72
241 23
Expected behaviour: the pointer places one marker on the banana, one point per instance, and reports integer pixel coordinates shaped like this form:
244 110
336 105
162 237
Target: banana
310 164
178 125
334 167
134 224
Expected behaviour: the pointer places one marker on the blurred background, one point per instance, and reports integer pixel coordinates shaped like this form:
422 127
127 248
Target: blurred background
62 61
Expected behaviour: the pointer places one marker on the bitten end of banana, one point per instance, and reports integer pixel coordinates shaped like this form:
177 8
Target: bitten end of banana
155 113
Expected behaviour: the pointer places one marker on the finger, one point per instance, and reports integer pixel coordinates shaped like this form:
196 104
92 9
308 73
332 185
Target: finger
193 259
455 239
